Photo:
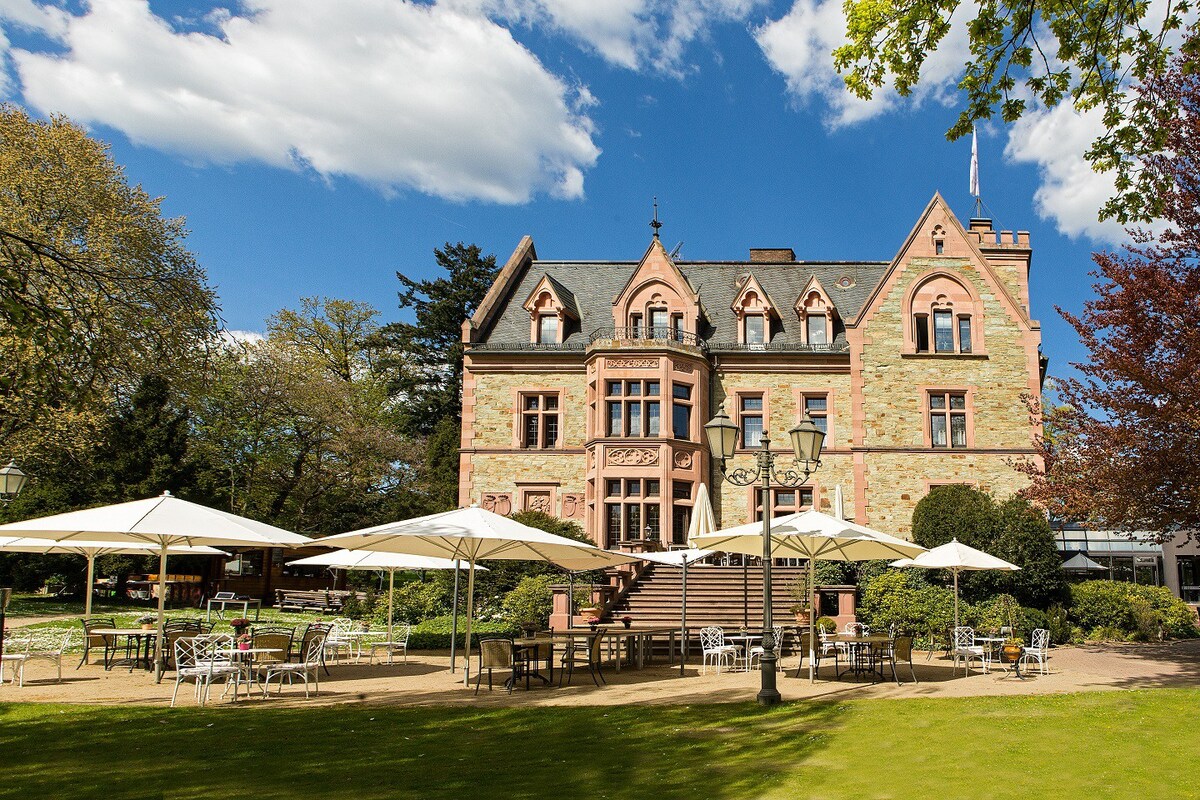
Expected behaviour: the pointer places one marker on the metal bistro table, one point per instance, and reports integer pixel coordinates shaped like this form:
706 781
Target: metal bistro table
745 641
244 602
639 640
245 656
139 635
859 665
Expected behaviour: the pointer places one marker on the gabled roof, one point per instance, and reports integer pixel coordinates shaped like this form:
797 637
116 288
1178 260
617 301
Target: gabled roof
751 284
814 284
562 295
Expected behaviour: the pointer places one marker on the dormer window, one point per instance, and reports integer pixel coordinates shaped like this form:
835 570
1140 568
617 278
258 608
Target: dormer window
754 310
550 306
816 312
548 329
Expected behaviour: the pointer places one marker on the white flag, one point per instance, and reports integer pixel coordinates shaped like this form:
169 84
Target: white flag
974 165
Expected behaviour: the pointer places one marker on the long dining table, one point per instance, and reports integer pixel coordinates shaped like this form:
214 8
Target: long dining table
638 641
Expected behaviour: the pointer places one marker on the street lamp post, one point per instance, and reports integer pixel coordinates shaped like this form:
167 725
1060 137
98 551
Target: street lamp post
807 440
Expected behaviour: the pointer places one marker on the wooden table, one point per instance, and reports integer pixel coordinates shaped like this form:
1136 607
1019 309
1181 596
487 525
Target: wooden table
130 633
857 644
633 637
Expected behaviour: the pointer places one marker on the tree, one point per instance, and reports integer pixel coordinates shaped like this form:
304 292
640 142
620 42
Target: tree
425 359
1121 450
335 332
1088 52
96 287
1012 530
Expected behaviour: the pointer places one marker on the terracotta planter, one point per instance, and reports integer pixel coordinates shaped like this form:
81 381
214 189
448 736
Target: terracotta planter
802 617
149 626
1010 653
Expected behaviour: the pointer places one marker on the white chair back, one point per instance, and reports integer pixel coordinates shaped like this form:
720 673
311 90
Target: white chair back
712 637
1041 639
964 637
857 629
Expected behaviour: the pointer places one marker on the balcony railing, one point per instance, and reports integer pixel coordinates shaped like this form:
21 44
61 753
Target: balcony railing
646 334
780 347
527 347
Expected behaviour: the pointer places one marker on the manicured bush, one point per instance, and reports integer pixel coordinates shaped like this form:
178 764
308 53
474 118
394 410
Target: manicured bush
825 625
1059 625
530 603
1144 612
414 602
434 634
900 599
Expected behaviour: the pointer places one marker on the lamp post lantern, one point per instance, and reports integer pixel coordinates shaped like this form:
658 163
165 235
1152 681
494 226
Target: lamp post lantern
12 481
807 440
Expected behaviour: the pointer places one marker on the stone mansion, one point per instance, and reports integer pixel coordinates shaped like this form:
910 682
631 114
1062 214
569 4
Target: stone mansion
587 383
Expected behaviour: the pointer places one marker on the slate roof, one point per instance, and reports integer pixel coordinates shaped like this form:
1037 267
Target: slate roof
593 285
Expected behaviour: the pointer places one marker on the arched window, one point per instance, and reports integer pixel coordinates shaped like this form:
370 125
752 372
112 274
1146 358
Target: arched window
944 317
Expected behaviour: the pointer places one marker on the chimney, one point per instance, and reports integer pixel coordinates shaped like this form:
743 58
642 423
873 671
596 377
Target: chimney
981 224
771 255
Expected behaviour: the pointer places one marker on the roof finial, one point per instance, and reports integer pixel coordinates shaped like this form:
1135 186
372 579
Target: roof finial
655 223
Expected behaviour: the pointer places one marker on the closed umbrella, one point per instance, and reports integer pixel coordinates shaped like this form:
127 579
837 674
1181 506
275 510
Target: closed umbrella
813 536
165 522
1081 563
956 557
381 562
90 550
475 534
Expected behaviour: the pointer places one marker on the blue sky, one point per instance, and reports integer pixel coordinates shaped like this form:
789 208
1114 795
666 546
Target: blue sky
316 148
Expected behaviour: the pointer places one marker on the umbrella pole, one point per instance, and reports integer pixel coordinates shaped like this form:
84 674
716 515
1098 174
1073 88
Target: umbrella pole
391 600
470 612
454 618
87 589
955 597
162 600
683 631
745 593
570 598
812 623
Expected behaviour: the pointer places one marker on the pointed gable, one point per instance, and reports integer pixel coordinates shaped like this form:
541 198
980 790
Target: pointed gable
548 295
656 284
814 300
752 298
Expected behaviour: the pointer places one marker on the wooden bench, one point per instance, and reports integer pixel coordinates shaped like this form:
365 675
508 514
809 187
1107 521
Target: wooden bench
325 600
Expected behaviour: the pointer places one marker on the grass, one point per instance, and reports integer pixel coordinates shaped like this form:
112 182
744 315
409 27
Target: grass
1099 745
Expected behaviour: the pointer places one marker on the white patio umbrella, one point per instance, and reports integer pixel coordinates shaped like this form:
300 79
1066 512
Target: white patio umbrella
164 521
813 536
90 550
475 534
956 557
1081 563
369 560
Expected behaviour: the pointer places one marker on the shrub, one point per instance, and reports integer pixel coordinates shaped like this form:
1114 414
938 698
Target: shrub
825 625
1139 611
1058 625
530 603
354 608
414 602
434 634
898 599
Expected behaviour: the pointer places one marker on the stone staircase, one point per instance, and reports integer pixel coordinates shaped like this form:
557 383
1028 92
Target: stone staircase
715 596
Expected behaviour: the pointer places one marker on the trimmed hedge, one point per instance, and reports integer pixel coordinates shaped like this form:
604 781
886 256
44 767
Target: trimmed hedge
434 634
1119 610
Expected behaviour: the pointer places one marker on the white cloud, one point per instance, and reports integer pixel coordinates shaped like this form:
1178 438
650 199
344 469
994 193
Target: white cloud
399 95
1071 192
634 34
800 44
235 337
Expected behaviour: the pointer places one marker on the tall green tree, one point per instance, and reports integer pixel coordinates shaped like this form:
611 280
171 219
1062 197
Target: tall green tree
1092 54
96 286
424 360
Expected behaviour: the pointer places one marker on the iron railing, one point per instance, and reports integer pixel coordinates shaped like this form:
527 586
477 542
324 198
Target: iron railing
645 333
780 347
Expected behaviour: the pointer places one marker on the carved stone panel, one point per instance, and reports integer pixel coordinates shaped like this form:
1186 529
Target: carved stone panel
632 456
631 363
684 367
683 460
572 506
538 501
500 503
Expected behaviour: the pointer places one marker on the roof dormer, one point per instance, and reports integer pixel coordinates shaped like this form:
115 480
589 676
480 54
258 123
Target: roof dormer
755 312
816 312
550 305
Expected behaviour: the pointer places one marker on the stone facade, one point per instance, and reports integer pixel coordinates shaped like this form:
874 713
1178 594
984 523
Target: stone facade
919 369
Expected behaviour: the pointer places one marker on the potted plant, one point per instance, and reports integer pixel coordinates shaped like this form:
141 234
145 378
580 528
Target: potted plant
147 621
802 602
592 622
244 641
626 620
240 625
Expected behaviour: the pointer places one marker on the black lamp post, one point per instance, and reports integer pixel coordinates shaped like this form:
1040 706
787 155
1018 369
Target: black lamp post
12 481
807 440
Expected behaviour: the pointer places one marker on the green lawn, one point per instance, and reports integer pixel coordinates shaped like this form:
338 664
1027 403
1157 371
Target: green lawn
1136 744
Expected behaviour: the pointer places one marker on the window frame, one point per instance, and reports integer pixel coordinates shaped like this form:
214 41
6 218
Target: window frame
626 401
948 414
540 415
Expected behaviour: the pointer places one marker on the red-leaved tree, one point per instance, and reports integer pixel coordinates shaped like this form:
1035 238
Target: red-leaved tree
1123 451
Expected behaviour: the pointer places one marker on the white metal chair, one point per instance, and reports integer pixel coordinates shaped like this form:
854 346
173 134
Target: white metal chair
712 643
15 653
1039 649
397 644
310 665
199 659
339 639
857 629
965 649
758 651
19 651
